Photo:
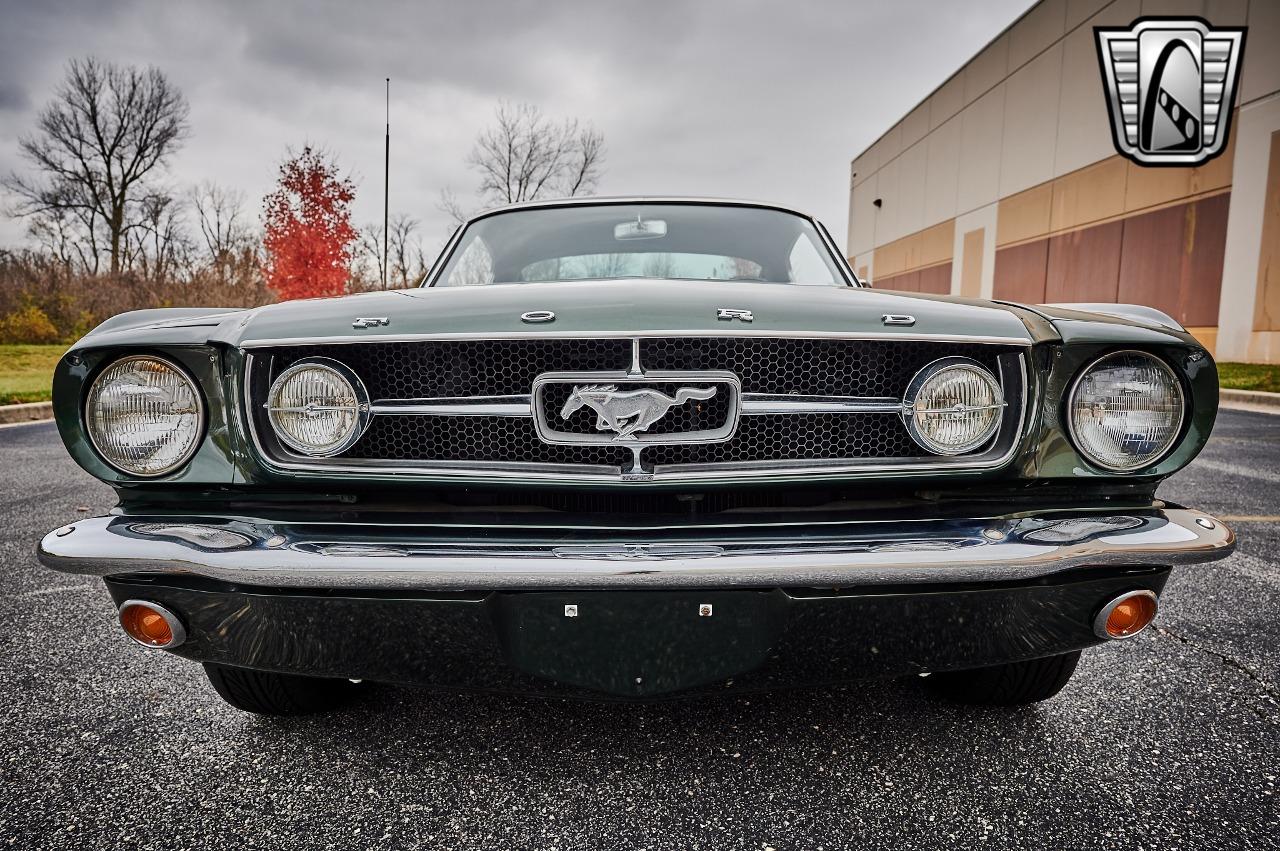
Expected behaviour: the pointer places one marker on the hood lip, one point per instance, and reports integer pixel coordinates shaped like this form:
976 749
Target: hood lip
673 309
259 343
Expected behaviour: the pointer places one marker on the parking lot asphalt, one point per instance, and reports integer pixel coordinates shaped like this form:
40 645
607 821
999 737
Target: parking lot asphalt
1169 741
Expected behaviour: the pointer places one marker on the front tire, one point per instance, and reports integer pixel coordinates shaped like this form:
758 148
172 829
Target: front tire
267 693
1011 684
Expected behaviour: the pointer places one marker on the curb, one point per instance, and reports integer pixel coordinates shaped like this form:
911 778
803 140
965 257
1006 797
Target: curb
29 412
1250 400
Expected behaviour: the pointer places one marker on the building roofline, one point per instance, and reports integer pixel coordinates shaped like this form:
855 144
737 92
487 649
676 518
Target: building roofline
952 76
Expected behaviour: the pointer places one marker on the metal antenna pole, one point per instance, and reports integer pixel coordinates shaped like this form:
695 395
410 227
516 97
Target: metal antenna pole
386 189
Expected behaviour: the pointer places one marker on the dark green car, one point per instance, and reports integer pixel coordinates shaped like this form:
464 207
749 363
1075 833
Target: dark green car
633 448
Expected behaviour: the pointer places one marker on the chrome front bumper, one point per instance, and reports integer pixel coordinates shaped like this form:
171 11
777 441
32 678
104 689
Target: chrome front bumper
409 558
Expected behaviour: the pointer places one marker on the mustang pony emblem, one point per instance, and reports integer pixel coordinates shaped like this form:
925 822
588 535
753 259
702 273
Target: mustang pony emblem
628 411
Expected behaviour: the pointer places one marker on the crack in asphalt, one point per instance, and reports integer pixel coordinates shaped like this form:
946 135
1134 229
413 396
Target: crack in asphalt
1270 692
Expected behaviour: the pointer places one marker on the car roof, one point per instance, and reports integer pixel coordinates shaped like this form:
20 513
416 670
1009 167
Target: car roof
608 200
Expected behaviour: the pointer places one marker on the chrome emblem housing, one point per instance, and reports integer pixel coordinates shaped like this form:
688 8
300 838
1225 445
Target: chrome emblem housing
1169 85
627 404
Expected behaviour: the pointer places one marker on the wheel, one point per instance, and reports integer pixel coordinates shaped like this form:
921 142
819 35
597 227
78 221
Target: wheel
1011 684
267 693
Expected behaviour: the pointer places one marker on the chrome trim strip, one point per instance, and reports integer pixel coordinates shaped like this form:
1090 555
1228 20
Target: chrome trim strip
770 403
457 406
753 404
594 335
376 556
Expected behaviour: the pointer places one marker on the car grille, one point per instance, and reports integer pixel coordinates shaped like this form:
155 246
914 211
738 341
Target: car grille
401 372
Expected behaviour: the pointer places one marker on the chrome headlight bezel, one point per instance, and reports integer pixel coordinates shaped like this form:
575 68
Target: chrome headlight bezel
1174 435
929 372
197 434
363 414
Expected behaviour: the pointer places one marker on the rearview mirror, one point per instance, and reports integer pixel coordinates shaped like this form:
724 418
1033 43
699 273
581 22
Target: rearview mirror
640 229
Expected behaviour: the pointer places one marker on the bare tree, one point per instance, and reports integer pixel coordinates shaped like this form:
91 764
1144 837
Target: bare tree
220 217
156 244
408 262
525 156
370 254
56 233
450 205
604 265
659 265
106 131
406 259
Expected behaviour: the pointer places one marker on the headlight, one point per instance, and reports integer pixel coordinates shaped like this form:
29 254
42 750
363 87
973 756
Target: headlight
1126 410
144 416
953 406
318 407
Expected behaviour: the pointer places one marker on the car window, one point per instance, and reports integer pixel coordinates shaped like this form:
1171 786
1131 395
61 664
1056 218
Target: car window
474 266
714 267
629 241
807 264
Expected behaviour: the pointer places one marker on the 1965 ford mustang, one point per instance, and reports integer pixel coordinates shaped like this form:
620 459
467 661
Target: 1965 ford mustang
631 448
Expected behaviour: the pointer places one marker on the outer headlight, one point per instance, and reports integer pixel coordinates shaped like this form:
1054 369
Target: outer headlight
954 406
1126 410
318 407
144 416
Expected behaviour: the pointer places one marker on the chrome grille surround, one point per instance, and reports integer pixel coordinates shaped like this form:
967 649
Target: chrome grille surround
477 437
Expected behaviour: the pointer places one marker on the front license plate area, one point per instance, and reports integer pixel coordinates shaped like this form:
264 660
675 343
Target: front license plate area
638 643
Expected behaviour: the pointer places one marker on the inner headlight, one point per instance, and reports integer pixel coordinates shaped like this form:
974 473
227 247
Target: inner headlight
953 406
144 416
1126 410
318 407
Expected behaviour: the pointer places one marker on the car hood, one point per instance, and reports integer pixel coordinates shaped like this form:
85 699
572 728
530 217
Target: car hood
622 307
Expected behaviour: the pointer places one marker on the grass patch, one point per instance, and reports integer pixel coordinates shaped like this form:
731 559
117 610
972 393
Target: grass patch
1250 376
26 372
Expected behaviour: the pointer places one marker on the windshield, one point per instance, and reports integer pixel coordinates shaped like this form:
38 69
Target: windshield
666 241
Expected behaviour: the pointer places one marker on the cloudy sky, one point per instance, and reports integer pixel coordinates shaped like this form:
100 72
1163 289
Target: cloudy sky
739 98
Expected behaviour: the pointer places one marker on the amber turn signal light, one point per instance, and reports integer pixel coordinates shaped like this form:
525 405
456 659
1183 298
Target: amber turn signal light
1126 615
151 624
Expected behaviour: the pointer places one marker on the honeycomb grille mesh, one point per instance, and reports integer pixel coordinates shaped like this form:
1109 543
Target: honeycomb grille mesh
819 367
466 368
472 439
777 437
415 370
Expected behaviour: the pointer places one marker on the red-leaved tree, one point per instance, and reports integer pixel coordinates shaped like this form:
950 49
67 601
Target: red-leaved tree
307 231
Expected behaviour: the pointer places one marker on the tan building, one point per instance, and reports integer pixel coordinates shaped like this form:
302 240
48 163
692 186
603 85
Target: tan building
1005 183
